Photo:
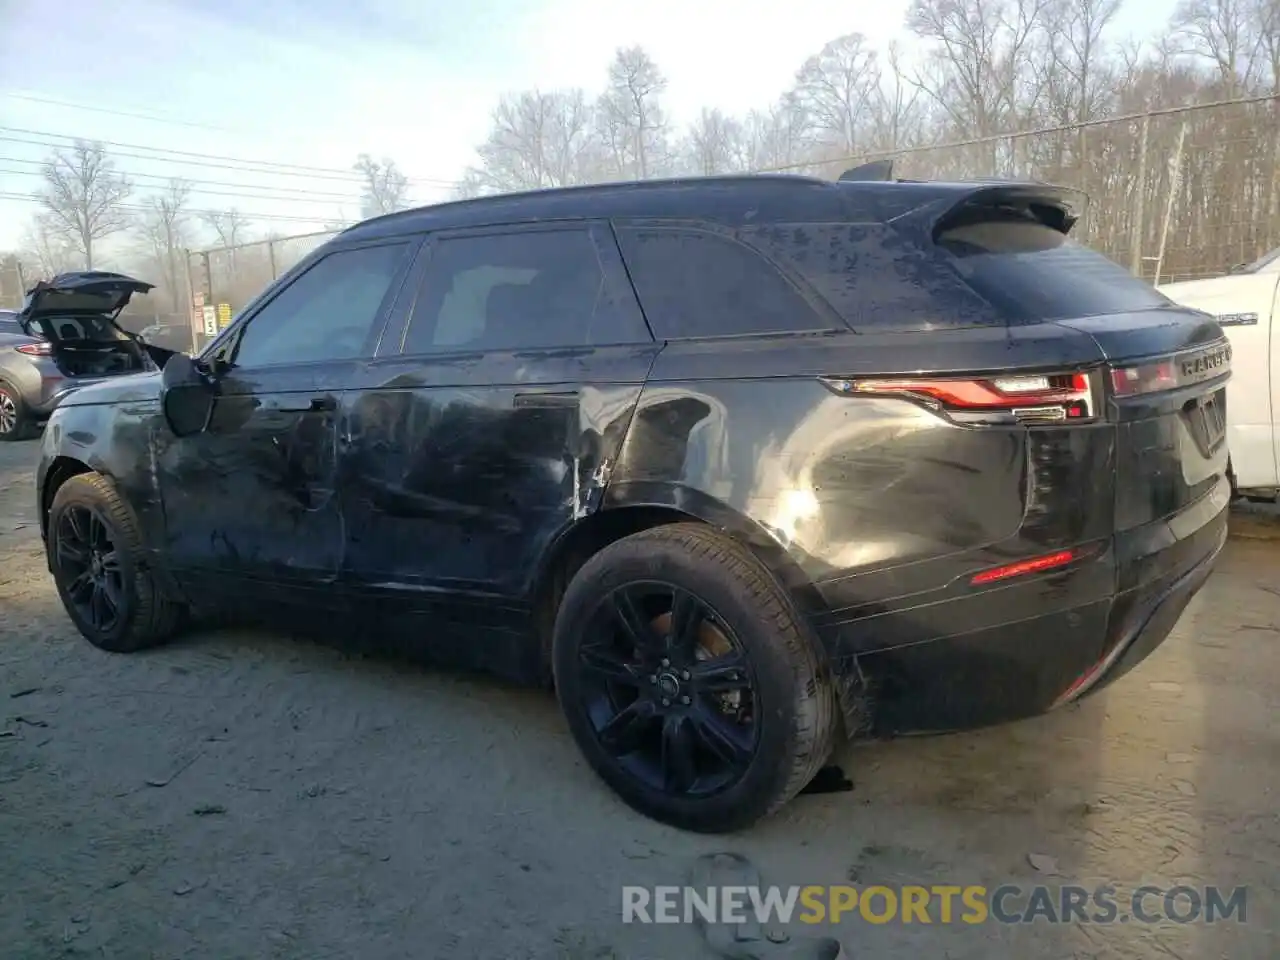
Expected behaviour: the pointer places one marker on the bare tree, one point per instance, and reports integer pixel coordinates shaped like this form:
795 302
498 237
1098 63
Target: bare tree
538 140
1223 32
1078 78
776 135
474 183
716 143
385 188
633 125
231 227
164 230
896 116
837 87
47 250
1080 72
13 280
84 196
979 67
1266 14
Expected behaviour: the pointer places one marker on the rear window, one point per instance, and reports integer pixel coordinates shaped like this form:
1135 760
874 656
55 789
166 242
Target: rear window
1033 273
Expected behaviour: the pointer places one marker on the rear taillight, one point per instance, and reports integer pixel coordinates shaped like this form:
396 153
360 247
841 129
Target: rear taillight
36 349
1025 398
1144 378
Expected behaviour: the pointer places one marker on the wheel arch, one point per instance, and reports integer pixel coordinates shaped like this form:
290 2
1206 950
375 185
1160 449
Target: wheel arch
632 506
61 469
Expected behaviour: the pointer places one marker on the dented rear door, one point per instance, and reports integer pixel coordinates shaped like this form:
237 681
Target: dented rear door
489 428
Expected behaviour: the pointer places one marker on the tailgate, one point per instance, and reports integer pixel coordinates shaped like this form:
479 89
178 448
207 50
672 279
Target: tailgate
1167 376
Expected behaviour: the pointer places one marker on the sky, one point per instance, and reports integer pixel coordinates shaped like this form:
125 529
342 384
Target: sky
295 90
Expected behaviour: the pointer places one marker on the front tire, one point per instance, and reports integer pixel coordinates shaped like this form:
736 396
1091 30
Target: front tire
16 422
99 568
689 681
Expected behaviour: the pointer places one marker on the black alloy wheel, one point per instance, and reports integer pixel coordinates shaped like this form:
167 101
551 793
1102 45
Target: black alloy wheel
689 681
669 690
89 566
99 566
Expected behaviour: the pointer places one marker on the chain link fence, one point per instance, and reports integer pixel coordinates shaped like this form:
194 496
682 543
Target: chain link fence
1174 194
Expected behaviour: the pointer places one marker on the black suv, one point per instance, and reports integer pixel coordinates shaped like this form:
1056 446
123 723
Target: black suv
743 465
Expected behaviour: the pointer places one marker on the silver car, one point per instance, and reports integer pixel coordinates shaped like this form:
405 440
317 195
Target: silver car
65 337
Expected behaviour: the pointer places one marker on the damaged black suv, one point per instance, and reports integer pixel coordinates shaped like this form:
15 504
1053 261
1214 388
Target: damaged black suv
744 466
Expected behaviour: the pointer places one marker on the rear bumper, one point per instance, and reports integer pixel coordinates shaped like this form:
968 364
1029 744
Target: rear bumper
1013 670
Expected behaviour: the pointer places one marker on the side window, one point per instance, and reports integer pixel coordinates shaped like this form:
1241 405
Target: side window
325 314
530 289
693 283
873 276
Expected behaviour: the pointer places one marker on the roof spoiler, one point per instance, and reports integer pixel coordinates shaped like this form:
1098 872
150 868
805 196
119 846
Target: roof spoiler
1058 208
877 170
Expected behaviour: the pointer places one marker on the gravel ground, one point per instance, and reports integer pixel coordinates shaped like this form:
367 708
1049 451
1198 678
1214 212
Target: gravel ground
241 795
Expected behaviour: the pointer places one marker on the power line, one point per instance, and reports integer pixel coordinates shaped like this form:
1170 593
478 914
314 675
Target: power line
116 112
270 164
136 208
191 163
328 199
281 191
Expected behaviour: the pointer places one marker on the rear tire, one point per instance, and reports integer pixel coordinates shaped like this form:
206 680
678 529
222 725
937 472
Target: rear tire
16 422
100 570
792 705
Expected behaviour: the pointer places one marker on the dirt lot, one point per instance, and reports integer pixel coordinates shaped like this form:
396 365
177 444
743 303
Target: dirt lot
239 795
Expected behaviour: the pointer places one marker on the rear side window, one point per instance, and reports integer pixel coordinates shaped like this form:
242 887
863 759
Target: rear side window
875 277
524 290
694 283
1033 273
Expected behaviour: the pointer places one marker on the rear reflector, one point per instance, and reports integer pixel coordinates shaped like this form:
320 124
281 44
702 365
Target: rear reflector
1035 398
1033 565
36 349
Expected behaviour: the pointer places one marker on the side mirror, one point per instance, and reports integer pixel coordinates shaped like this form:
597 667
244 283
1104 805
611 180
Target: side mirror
186 396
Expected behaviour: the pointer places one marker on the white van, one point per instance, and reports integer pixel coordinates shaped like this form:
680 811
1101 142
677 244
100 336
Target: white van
1245 303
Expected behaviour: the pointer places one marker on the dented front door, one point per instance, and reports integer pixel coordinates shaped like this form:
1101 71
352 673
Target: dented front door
251 502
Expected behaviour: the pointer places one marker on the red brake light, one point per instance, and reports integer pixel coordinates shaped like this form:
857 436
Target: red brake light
36 349
1043 398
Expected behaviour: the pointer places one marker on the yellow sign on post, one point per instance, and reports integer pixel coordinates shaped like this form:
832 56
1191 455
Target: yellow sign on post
224 315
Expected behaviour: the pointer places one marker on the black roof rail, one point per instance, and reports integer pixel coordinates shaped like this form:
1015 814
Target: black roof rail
881 170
